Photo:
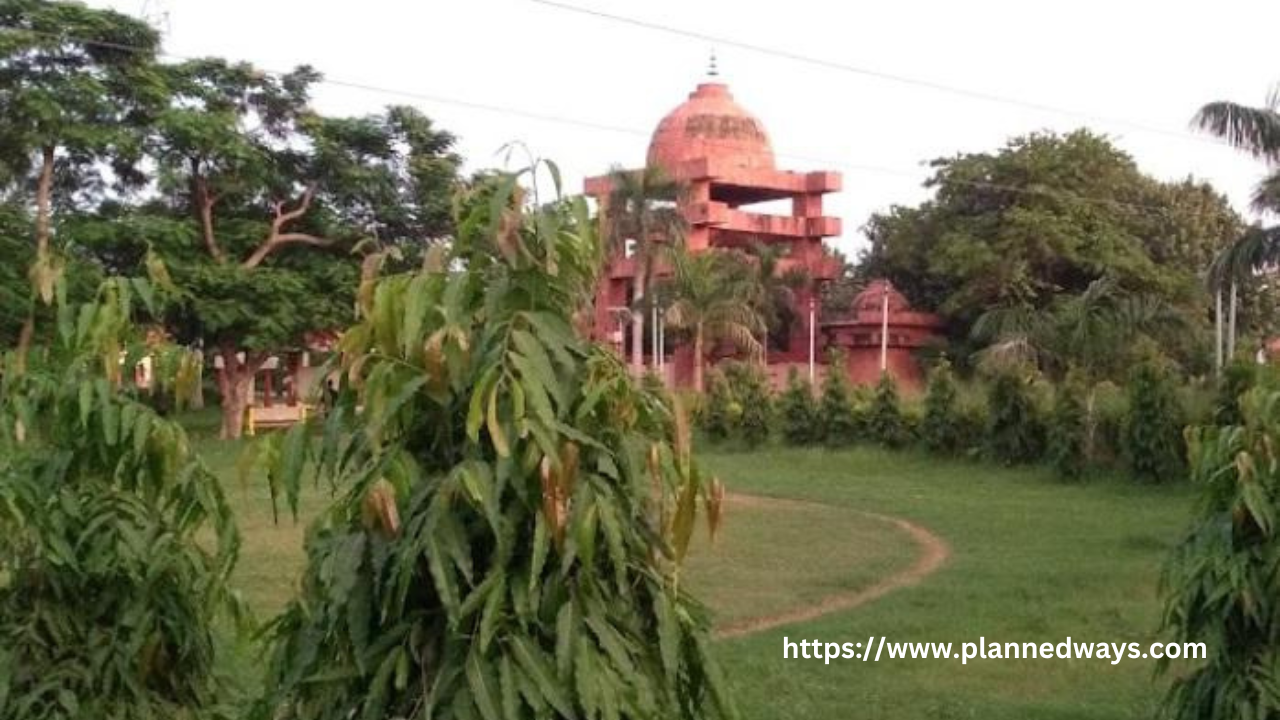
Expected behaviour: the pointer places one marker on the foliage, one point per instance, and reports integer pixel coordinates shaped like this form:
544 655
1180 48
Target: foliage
798 412
750 389
512 514
885 423
1237 378
721 411
1015 433
941 425
1044 216
1220 584
836 422
1068 430
711 295
1152 432
115 541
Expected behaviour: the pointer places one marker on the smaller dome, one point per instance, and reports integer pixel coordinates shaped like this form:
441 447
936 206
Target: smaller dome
710 124
872 298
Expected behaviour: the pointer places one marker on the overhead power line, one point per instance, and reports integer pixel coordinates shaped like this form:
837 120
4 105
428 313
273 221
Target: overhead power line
829 64
511 111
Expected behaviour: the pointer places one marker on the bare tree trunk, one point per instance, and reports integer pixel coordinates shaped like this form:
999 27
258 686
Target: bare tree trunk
1231 325
44 200
698 360
235 382
1090 423
1217 330
637 326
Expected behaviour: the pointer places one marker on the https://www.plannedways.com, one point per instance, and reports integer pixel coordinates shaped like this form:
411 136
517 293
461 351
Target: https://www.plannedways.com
880 648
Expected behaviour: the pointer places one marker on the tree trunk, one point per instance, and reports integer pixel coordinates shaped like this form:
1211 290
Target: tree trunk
1231 325
44 200
637 327
698 360
1090 424
235 382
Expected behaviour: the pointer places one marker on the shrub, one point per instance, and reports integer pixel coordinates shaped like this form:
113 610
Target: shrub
750 389
1220 585
116 542
1068 430
720 410
1152 432
941 427
884 418
1014 431
1237 378
511 514
799 413
835 407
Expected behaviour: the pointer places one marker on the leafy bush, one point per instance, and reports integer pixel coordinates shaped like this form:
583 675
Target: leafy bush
941 428
721 411
1237 378
1220 585
115 541
1152 433
512 514
1015 433
884 421
835 408
1067 430
750 389
798 411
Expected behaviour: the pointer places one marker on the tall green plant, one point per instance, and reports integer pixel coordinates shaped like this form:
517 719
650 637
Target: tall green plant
1237 378
941 428
884 419
835 408
115 541
513 512
721 411
1015 433
751 391
1152 432
1220 585
1068 429
798 412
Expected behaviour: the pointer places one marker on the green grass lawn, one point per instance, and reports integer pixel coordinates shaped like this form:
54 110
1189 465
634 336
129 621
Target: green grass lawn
1032 560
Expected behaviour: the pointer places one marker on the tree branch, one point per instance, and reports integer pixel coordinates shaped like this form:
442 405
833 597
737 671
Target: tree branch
278 238
204 201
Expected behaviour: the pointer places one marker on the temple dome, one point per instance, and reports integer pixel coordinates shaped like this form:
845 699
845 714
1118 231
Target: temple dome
710 124
871 299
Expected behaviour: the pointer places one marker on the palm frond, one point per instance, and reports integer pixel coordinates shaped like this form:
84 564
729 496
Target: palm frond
1254 130
1266 197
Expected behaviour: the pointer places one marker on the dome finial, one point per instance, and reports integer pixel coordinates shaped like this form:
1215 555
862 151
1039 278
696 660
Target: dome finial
712 69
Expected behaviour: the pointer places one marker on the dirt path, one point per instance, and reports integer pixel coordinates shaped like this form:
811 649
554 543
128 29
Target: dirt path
933 554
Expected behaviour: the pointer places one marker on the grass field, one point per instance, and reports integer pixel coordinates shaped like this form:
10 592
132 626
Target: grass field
1031 560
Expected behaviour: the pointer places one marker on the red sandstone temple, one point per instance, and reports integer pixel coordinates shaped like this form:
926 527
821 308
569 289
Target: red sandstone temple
722 157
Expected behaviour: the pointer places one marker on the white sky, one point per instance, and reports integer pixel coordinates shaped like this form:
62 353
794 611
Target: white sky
1152 63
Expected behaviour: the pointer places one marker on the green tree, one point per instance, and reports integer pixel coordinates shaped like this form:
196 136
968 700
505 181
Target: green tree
750 388
262 202
775 293
798 412
836 420
1068 429
1152 432
76 83
1015 433
1048 215
941 426
710 299
115 540
721 411
1220 585
884 420
641 209
513 513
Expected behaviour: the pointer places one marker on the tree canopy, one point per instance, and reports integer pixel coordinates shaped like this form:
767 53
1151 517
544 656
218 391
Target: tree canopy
1048 215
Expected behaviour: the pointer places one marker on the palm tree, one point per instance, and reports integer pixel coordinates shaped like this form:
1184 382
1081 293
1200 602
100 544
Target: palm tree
711 295
1092 332
775 291
1256 130
642 208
